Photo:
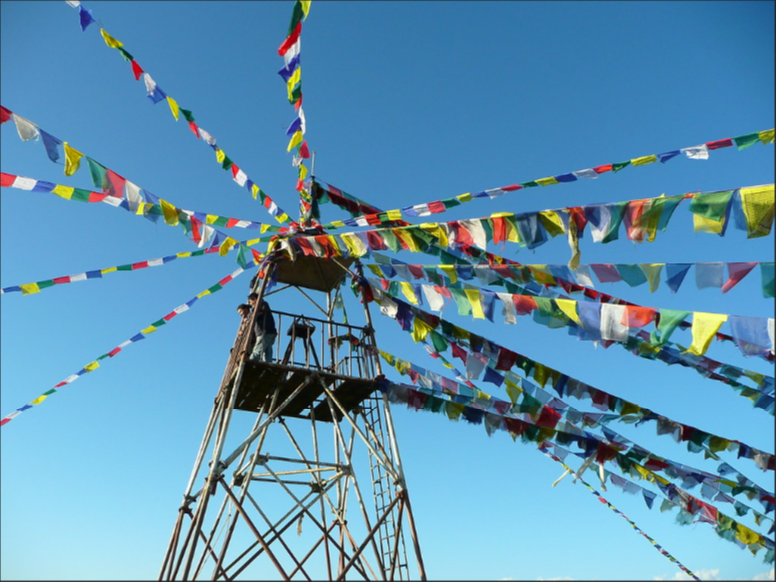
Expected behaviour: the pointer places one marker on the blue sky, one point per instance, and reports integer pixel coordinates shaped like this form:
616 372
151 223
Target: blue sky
405 103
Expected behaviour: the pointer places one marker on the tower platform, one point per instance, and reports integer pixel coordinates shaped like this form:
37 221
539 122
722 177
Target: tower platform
260 379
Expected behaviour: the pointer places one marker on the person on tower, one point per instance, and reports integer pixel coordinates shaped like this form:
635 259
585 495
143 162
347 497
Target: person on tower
266 332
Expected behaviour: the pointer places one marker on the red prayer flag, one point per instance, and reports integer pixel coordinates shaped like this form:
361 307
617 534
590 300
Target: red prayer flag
636 316
5 114
194 128
6 180
720 143
292 38
136 70
524 304
736 272
304 151
436 207
60 280
602 169
511 187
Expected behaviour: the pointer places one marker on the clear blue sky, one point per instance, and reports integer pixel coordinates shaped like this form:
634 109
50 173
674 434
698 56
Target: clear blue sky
406 103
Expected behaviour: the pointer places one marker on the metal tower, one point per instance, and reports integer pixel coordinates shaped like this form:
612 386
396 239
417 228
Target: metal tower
277 488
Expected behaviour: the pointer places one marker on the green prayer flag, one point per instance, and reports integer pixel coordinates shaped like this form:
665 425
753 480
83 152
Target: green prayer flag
80 195
128 57
669 320
98 172
744 141
124 268
766 274
296 16
227 163
187 114
619 166
712 205
44 284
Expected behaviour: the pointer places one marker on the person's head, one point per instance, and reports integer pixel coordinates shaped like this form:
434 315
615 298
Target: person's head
243 309
252 298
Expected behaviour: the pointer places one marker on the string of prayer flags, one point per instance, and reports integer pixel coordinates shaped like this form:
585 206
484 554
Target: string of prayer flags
90 367
696 509
291 73
535 408
32 288
196 224
501 272
673 274
538 410
613 407
695 152
605 321
156 94
520 424
533 229
762 397
136 200
658 547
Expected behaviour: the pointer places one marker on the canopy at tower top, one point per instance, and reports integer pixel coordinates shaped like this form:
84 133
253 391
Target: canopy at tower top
314 273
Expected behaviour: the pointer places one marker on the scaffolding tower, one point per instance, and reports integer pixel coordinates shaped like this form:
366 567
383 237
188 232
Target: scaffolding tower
285 445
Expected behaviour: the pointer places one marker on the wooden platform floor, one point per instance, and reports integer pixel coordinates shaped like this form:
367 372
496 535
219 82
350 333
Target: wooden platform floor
260 379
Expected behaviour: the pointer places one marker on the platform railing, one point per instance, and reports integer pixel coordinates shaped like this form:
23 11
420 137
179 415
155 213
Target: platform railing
312 343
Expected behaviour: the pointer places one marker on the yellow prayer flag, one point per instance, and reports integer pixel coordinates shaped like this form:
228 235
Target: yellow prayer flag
29 288
552 222
704 326
453 410
109 40
464 197
407 238
337 224
644 160
301 175
420 330
295 77
540 276
766 136
39 399
173 107
569 307
746 535
296 139
394 214
255 191
702 224
354 243
226 245
305 7
758 204
652 273
220 155
92 366
281 217
449 270
183 255
169 212
546 181
408 292
473 295
64 191
108 270
205 292
149 329
434 229
72 160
